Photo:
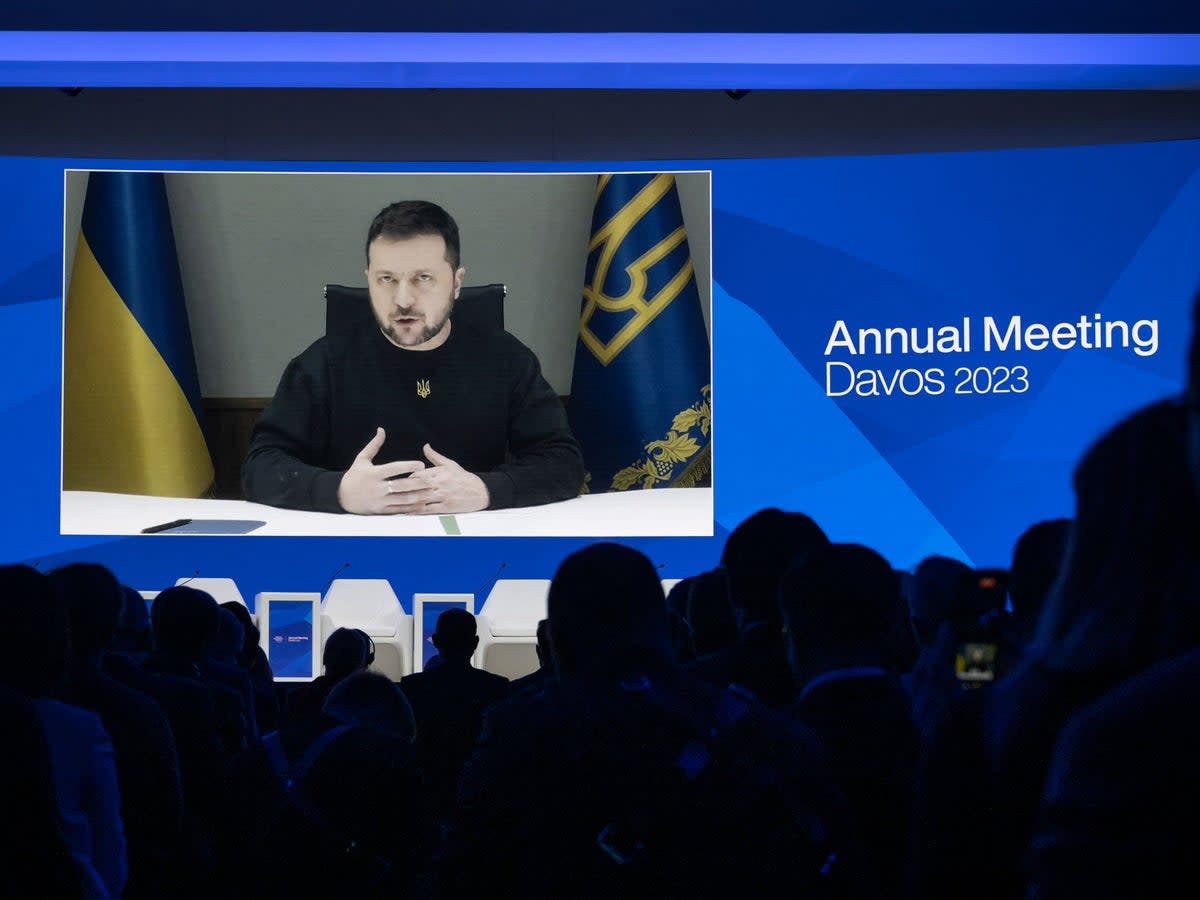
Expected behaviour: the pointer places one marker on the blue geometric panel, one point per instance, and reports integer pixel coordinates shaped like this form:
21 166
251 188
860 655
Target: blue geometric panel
782 443
1052 236
31 230
30 350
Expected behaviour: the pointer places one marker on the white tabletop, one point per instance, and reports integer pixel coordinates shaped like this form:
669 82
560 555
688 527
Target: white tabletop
665 512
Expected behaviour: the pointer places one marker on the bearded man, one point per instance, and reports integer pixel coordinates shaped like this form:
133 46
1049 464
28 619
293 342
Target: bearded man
415 413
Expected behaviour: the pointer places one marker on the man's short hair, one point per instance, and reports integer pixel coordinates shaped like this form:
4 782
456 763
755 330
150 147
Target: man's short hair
1037 556
840 595
36 631
455 632
346 652
757 553
92 597
133 623
703 601
415 218
185 621
607 603
935 595
229 638
370 699
250 632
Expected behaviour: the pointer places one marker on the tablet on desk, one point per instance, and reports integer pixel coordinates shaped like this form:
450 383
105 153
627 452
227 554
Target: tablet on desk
206 526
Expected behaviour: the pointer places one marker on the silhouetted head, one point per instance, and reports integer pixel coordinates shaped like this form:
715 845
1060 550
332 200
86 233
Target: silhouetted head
347 651
607 612
758 552
372 700
36 632
227 642
250 633
703 601
1125 597
840 601
935 595
455 634
133 622
543 648
185 621
93 598
1036 559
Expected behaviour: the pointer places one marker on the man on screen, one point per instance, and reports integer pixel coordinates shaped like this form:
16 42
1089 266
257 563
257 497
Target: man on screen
419 414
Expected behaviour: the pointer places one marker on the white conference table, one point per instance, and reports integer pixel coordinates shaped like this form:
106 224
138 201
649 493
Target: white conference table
666 512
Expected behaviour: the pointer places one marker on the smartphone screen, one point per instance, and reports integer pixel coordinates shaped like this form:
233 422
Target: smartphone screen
975 663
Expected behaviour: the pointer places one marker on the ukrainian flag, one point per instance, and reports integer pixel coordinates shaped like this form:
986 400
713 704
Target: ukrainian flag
131 398
641 397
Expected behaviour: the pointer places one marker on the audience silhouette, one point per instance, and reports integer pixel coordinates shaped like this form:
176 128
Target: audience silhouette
628 777
536 680
254 661
81 755
704 603
1037 557
756 554
1124 599
840 606
347 651
33 851
146 759
448 701
764 728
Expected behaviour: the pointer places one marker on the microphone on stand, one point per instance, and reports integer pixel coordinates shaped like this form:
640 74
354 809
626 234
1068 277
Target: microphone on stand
192 577
332 578
491 582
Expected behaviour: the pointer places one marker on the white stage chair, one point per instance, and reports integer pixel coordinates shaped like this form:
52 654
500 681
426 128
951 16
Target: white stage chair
507 625
223 590
372 605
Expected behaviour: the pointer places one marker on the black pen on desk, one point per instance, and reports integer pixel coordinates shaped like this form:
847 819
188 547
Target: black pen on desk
165 526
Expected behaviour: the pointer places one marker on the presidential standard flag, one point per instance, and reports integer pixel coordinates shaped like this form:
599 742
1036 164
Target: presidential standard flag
131 399
641 400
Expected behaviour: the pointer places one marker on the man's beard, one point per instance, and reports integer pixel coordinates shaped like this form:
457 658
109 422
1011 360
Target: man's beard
428 333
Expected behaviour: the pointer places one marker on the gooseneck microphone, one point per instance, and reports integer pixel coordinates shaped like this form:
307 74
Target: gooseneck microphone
491 582
332 578
191 577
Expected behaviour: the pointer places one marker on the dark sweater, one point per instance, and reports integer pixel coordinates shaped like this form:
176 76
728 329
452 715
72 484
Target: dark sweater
488 408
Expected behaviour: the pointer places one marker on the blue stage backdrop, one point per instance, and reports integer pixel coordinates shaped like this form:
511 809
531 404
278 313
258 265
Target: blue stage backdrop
913 349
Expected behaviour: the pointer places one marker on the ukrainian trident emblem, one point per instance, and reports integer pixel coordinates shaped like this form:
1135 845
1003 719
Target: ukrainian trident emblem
423 388
636 307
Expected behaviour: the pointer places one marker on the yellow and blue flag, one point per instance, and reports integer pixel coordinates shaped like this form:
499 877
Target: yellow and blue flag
131 398
641 397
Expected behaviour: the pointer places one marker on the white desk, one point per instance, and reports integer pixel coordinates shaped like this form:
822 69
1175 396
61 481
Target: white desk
667 512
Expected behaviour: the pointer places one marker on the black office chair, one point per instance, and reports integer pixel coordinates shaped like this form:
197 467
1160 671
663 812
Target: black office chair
349 308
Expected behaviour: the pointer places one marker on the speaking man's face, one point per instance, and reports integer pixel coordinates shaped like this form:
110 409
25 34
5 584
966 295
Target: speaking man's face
412 290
